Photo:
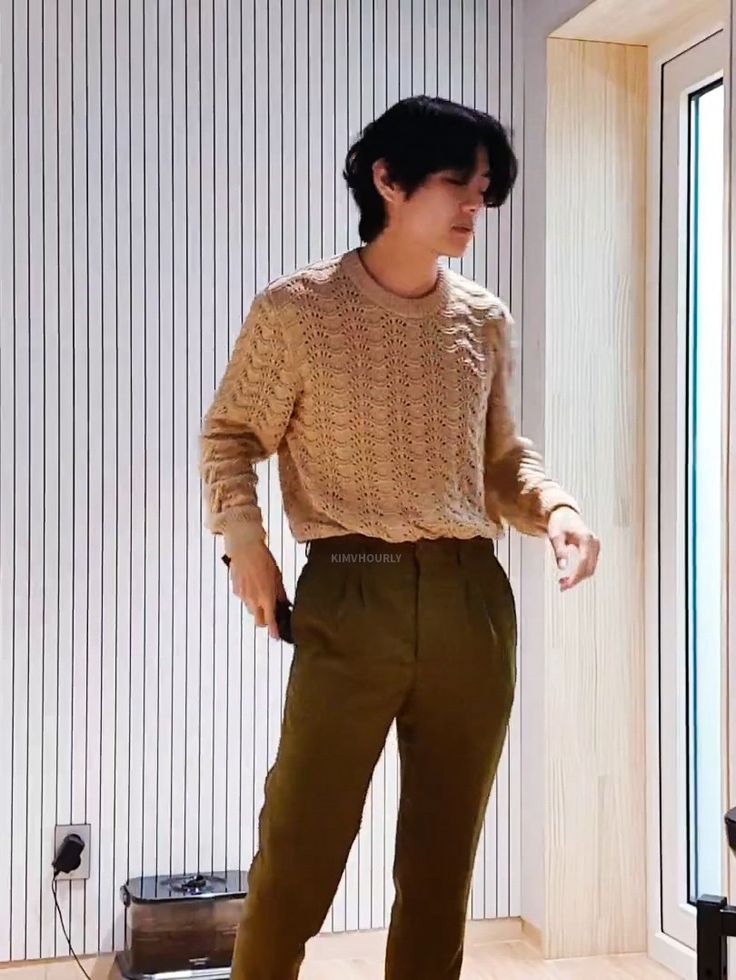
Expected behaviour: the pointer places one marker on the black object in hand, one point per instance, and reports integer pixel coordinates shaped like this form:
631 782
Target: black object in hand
283 620
283 613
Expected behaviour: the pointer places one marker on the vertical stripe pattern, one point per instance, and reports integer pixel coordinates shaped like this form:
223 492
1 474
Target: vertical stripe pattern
161 162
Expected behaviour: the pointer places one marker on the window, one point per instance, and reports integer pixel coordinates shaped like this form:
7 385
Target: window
705 526
690 498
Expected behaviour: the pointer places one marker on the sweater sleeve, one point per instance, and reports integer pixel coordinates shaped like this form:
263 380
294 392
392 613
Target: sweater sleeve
516 484
246 423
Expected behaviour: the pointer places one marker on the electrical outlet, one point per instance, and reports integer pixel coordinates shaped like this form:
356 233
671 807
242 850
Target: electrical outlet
85 832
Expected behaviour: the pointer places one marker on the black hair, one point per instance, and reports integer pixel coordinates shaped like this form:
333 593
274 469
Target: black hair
420 136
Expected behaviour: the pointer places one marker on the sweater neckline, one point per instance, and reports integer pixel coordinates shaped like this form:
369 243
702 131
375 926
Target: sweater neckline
407 306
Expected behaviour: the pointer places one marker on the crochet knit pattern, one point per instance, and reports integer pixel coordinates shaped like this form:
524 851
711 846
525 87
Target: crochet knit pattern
391 417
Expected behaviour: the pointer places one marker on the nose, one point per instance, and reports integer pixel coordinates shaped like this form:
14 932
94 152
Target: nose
473 203
471 208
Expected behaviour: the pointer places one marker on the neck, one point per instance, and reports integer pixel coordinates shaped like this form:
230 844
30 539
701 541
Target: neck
400 268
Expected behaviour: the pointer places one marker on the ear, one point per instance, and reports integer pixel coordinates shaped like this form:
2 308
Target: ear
386 187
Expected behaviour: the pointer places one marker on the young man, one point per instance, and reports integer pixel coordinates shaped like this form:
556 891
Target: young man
381 379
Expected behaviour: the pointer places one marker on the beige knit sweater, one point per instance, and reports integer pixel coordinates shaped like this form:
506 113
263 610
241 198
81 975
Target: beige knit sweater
390 416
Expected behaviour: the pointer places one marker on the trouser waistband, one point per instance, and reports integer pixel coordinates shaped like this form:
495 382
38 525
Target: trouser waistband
374 549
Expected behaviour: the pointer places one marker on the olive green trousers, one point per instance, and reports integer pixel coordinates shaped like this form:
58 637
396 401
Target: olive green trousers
421 633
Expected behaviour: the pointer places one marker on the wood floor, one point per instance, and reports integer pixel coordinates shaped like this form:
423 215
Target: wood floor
512 960
362 959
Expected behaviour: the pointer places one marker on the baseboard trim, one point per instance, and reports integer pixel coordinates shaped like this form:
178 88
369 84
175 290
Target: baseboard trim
371 944
674 956
64 968
532 934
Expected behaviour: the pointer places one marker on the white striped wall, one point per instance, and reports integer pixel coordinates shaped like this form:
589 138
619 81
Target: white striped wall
161 161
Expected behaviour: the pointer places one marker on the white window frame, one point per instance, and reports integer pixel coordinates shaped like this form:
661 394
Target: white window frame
677 68
729 669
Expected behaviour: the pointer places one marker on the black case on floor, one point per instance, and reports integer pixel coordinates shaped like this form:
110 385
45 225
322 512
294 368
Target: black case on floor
181 925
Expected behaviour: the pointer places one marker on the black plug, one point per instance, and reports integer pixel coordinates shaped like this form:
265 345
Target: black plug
69 856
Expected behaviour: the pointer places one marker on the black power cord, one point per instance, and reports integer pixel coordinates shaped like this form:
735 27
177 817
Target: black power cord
63 928
68 858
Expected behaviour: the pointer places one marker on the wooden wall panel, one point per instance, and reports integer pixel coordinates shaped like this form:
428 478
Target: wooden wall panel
594 410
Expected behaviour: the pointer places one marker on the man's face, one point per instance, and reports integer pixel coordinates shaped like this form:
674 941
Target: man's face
441 214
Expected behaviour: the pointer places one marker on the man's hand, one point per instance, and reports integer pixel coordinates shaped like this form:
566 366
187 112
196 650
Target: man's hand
257 581
567 530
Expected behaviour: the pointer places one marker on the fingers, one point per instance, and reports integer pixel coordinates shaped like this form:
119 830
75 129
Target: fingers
262 608
270 621
257 581
589 552
256 604
264 614
560 548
